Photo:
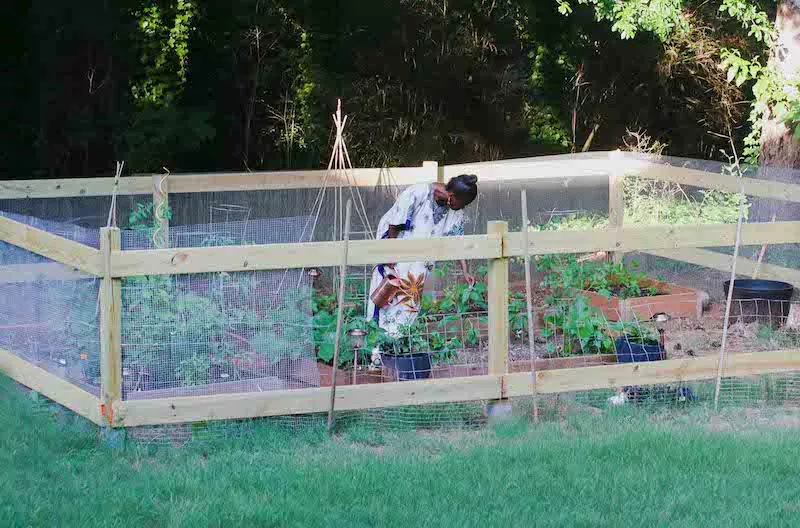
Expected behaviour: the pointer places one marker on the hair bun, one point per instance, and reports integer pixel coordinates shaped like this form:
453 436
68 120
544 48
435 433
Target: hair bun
471 179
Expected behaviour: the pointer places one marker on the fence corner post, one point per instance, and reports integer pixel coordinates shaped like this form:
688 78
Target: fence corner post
616 200
110 327
497 297
436 171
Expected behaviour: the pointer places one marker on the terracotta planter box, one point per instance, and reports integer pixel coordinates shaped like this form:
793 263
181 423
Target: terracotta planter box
673 300
345 377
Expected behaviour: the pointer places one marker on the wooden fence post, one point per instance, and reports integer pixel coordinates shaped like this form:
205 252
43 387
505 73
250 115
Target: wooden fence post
110 327
616 201
497 297
160 210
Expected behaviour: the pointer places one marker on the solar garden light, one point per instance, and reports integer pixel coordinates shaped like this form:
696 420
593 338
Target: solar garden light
357 340
660 320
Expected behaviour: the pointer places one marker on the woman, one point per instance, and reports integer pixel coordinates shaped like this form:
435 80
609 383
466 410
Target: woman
421 211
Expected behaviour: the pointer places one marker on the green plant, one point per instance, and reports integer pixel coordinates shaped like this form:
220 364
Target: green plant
460 298
324 325
583 328
565 275
226 321
635 332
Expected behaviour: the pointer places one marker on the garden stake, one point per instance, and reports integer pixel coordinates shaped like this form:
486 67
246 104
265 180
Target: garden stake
728 302
529 298
339 314
112 212
762 253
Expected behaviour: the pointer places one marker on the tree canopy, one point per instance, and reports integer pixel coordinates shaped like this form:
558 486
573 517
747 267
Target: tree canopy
251 84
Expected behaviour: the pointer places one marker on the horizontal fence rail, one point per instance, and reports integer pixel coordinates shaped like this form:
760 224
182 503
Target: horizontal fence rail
650 237
301 255
310 254
544 167
696 178
488 387
51 386
723 262
217 182
54 247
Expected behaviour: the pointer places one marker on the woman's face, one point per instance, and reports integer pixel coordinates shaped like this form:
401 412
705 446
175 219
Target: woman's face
455 203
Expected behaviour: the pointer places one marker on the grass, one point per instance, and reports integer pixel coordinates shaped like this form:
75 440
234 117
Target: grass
624 469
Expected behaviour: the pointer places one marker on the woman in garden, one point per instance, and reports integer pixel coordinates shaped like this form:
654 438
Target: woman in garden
421 211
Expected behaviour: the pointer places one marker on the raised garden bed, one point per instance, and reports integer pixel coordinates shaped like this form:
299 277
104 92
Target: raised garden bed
345 377
671 299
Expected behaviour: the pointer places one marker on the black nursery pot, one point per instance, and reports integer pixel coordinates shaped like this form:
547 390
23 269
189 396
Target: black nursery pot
628 352
413 367
758 300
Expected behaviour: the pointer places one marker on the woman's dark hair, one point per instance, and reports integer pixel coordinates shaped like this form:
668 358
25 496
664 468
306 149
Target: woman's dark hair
464 186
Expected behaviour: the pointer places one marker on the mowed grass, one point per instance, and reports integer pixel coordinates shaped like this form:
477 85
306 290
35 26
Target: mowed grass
624 469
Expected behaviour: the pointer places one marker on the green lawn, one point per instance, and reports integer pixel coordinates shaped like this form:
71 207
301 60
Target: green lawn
620 470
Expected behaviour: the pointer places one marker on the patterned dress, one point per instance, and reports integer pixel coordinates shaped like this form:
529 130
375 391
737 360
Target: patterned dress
419 216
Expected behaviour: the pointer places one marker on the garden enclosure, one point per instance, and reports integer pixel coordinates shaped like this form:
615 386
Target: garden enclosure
208 312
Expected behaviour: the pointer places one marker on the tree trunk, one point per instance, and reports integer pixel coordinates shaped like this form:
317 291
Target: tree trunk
780 152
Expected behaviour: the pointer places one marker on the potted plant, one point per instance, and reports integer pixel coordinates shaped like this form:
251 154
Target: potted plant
637 343
407 356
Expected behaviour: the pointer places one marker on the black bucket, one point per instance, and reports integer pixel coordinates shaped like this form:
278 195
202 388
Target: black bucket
413 367
755 300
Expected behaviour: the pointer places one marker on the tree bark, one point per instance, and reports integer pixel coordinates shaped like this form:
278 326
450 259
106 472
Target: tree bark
780 152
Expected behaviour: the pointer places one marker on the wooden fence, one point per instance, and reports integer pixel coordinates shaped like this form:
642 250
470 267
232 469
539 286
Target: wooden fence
111 264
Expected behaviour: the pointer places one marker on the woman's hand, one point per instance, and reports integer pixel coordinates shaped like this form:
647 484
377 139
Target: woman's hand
470 279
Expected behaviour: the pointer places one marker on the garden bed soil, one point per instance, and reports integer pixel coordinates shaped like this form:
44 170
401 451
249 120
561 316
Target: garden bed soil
283 375
228 387
671 299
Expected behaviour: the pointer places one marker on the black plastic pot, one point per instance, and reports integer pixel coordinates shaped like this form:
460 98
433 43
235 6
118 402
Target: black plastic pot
757 300
628 352
413 367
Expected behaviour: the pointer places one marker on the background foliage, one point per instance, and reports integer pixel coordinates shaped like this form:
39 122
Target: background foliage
250 84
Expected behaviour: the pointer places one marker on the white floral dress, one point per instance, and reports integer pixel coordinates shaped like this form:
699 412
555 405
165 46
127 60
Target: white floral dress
421 217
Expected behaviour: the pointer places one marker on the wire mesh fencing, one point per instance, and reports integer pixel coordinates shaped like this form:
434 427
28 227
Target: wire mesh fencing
275 330
215 333
49 314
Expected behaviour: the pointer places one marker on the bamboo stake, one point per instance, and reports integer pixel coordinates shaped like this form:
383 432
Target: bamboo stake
529 298
728 302
339 314
762 253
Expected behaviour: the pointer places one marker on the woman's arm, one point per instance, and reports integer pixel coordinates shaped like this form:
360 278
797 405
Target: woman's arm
392 232
467 277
